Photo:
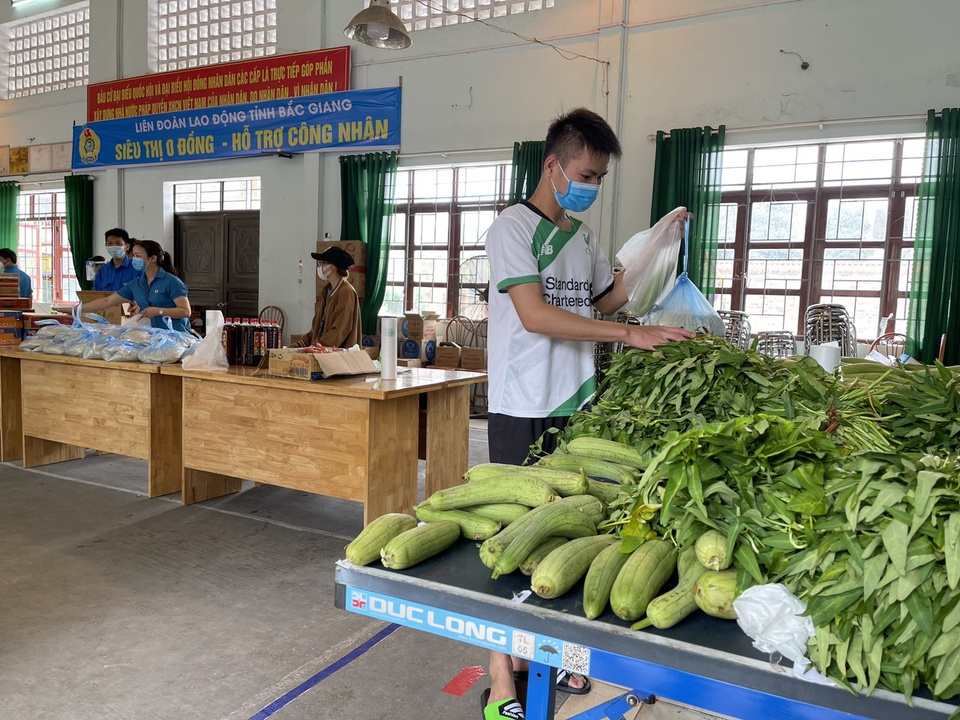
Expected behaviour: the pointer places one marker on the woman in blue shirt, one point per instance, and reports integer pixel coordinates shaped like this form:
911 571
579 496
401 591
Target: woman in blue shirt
158 293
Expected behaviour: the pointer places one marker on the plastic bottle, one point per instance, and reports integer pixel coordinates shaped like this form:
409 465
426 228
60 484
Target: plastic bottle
230 340
245 343
259 341
273 335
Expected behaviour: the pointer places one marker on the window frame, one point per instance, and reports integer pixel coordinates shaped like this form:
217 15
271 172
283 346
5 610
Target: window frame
455 207
61 255
208 31
896 192
17 80
419 15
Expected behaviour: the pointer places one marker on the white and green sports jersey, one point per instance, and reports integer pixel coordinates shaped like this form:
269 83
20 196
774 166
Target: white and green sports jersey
528 374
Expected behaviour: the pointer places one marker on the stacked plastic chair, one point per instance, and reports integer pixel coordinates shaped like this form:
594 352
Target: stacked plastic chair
603 350
826 323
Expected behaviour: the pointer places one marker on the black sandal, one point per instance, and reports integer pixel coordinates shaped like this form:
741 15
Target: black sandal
563 682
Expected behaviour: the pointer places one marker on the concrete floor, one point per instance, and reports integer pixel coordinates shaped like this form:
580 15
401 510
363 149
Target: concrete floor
113 605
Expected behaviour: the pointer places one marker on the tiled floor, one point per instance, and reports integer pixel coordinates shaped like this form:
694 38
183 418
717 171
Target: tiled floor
118 606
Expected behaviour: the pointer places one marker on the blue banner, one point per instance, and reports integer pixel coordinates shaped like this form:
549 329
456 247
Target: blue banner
356 120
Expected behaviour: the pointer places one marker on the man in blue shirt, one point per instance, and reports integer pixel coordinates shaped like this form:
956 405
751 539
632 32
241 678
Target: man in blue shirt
116 273
9 259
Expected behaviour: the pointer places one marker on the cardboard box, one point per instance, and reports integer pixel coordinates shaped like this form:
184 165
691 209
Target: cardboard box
448 355
31 321
302 365
373 352
357 275
417 327
10 319
422 350
473 358
112 315
9 285
9 341
370 341
15 303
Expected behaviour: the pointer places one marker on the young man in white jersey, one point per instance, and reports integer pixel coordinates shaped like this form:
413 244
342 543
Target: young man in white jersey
547 274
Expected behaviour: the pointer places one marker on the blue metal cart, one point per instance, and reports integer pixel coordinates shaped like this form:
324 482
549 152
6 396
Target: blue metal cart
703 662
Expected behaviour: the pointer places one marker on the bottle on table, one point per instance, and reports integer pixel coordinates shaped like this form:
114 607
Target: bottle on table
230 341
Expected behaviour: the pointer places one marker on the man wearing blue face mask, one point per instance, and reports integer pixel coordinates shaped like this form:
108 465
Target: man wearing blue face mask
547 275
113 275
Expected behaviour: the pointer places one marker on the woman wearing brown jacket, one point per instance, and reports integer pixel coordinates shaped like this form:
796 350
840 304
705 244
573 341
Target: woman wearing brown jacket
337 320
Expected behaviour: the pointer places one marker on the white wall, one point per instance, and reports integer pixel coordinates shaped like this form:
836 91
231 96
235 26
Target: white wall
471 89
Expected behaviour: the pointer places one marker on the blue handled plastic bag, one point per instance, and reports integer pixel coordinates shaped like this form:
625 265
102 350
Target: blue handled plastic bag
685 306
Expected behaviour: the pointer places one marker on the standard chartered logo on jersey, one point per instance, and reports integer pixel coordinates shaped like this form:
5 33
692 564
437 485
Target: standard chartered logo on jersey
567 293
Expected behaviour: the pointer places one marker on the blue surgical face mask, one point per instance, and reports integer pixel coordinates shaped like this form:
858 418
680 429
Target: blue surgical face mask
579 195
117 252
138 263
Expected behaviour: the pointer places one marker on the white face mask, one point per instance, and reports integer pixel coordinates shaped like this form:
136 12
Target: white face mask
116 251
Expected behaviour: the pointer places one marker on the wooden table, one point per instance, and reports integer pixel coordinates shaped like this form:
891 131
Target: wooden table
11 406
67 404
353 438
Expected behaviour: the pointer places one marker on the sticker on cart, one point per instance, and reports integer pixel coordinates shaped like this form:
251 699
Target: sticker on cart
548 652
576 658
524 645
455 626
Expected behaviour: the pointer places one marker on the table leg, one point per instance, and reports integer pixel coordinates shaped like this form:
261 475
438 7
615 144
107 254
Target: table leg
541 699
200 485
11 420
391 476
448 437
164 466
37 451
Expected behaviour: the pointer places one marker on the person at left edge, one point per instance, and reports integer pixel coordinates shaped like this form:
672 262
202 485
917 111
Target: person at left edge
113 275
158 293
9 259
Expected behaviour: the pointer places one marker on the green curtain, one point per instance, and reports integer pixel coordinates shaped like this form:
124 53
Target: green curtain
687 173
935 286
367 184
79 192
9 227
527 168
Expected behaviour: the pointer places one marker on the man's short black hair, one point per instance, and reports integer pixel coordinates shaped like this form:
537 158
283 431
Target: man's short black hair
578 130
8 254
118 232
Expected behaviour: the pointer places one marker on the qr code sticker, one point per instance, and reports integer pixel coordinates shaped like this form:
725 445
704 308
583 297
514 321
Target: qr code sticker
576 658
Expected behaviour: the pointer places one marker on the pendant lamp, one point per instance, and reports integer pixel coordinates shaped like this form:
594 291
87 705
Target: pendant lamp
378 27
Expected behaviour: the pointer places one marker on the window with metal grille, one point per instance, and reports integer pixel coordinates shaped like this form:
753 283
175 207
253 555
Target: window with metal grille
192 33
423 14
43 251
826 223
439 226
46 52
217 195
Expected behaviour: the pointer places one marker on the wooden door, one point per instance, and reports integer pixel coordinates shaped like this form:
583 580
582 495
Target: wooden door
218 255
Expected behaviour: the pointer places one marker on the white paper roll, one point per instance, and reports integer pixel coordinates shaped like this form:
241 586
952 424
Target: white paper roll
212 318
827 355
388 348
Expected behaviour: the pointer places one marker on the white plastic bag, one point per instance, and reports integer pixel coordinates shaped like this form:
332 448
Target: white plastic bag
773 618
649 261
209 355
